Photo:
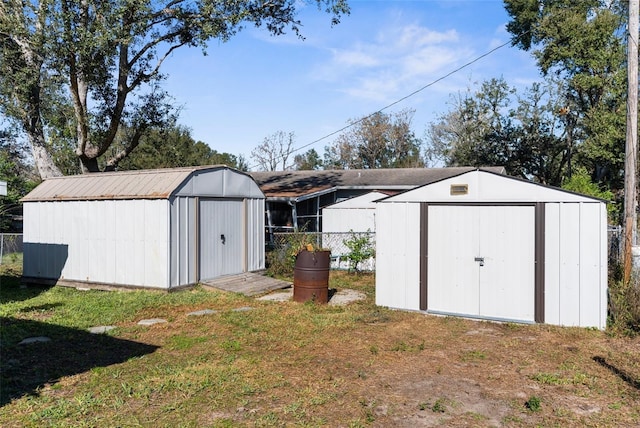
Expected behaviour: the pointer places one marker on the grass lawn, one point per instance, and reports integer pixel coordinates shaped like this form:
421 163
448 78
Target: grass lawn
290 364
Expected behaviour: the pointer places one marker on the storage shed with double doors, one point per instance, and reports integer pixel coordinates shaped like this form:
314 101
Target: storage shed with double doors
164 229
490 246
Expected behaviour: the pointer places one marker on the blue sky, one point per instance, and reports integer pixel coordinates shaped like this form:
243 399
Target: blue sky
255 84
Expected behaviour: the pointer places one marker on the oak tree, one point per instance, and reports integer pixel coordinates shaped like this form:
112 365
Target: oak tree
582 42
494 126
103 58
173 147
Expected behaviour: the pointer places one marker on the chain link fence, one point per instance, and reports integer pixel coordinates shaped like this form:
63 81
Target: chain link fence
615 241
10 243
338 243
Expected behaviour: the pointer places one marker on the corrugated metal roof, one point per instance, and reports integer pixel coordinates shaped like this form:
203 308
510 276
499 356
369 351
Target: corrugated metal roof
296 184
142 184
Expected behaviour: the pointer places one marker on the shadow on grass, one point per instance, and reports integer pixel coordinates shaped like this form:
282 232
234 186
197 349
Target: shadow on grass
633 382
12 289
28 367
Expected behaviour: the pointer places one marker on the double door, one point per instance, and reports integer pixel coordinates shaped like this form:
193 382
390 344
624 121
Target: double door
481 261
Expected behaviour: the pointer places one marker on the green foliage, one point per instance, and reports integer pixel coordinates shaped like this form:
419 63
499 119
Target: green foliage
278 264
490 127
473 356
310 160
548 379
473 132
379 140
173 147
581 182
624 307
18 175
439 406
583 43
533 404
281 259
360 249
103 60
12 267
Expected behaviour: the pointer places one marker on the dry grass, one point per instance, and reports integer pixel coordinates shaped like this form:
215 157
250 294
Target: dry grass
290 364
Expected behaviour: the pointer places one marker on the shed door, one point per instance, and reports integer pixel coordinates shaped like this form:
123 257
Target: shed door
222 241
481 261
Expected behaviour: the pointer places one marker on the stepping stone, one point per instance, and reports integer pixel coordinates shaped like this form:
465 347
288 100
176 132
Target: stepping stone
243 309
281 296
202 312
101 329
346 296
30 340
151 321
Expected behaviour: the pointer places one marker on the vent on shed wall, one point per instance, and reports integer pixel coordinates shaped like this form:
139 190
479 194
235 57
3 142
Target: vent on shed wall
459 189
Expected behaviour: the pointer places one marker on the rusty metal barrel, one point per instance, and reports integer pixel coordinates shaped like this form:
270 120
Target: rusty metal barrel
311 276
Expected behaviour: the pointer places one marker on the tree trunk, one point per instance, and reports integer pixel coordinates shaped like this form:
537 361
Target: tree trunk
43 160
89 164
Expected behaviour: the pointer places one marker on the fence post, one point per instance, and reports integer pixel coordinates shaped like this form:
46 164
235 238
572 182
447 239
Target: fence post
1 246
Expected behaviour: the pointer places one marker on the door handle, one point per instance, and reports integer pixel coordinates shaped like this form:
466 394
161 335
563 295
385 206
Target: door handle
223 239
479 259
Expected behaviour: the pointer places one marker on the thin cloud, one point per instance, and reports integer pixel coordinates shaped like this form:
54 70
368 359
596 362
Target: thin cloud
355 58
400 58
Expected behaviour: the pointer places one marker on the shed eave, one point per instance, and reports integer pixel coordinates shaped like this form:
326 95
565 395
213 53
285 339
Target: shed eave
57 198
335 189
380 187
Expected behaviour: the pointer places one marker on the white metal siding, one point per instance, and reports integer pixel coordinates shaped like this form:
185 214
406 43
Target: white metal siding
255 234
502 287
576 264
398 256
552 264
112 242
183 241
348 219
589 265
569 265
604 271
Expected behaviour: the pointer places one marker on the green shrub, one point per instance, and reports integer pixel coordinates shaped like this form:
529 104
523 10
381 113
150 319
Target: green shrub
361 248
278 264
281 260
581 182
624 307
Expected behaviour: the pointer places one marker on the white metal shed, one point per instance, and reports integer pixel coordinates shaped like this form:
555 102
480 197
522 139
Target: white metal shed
490 246
356 214
163 229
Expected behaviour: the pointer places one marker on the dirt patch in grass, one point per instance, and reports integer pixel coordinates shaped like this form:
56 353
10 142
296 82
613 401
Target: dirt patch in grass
290 364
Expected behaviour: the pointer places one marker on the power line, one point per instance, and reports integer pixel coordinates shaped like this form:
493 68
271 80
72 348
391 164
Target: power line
362 119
